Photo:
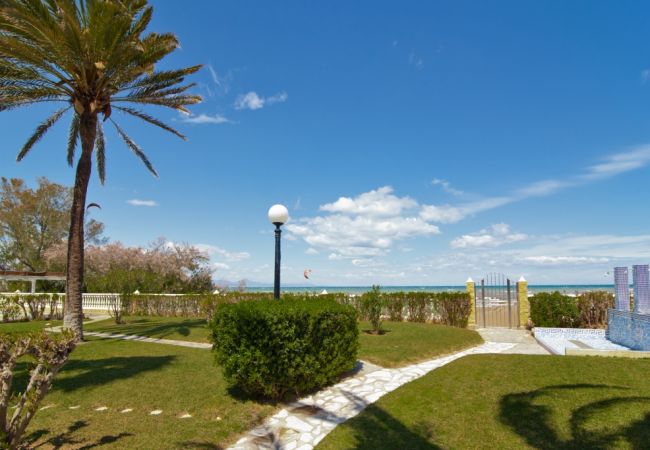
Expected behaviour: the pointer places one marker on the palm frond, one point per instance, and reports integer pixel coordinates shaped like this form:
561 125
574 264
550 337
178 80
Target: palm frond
40 132
151 120
73 137
100 148
134 148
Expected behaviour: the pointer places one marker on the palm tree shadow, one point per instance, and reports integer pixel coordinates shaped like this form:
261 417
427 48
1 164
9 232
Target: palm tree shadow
67 438
534 421
143 327
94 372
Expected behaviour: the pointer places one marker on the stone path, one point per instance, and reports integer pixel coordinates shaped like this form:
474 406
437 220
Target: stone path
304 423
524 340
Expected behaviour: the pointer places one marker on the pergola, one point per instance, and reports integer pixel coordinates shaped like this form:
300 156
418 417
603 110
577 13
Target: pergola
32 277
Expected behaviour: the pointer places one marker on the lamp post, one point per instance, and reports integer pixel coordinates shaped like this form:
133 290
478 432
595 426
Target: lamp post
278 216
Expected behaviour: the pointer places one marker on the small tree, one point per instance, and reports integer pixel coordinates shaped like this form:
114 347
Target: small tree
372 306
49 353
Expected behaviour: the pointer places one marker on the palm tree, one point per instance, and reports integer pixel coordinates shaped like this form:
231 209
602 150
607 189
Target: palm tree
92 56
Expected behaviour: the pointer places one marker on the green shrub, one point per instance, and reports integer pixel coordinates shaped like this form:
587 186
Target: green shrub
593 308
554 310
9 309
291 346
372 306
417 306
454 308
395 304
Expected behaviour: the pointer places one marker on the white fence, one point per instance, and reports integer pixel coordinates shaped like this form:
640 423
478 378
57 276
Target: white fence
102 302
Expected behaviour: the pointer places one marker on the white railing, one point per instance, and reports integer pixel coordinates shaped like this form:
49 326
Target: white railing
90 301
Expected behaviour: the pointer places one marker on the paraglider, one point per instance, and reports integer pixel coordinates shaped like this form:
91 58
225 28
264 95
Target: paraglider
307 273
91 205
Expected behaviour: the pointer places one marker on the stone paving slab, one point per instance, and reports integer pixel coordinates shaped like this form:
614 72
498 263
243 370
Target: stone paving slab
303 424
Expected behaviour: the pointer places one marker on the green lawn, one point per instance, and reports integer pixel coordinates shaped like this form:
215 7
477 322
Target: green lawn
144 377
179 328
402 344
510 402
26 327
406 343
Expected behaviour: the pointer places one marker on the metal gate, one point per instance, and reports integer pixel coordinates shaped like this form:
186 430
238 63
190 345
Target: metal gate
496 302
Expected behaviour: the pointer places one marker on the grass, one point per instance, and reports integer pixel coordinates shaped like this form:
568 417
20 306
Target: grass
510 402
403 343
406 343
179 328
123 374
27 327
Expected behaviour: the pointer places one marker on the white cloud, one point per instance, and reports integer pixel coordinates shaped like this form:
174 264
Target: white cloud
280 97
645 75
363 226
564 260
212 250
138 202
610 166
221 81
216 119
618 163
253 101
446 186
312 251
453 214
495 236
219 266
249 101
380 202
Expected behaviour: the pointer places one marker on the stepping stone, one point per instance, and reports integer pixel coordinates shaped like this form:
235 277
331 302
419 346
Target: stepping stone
46 407
185 416
156 412
74 407
127 410
101 408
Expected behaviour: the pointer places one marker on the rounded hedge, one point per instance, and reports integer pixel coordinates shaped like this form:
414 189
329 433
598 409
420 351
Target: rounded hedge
276 348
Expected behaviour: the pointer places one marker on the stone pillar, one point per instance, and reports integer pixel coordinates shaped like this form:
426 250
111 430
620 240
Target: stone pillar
622 289
524 304
641 292
471 290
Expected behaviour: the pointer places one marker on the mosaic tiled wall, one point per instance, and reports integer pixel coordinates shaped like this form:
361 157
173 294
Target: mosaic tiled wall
629 329
622 288
641 289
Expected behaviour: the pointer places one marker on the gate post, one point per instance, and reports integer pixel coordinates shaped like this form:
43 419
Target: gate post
471 290
524 305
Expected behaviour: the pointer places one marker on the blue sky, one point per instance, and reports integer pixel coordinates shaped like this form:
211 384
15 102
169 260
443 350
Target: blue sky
413 142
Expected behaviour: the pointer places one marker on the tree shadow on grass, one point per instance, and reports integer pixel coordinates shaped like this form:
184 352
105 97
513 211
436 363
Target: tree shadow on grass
376 429
144 327
68 438
84 373
534 421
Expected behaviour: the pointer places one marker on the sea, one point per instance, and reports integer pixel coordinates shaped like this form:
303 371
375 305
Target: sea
532 289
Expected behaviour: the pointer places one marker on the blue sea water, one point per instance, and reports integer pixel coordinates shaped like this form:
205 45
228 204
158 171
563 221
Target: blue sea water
565 289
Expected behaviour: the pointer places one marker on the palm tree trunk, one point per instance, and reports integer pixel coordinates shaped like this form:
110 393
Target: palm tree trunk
73 311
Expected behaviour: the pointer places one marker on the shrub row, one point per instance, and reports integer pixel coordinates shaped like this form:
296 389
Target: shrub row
587 310
449 308
31 307
289 347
